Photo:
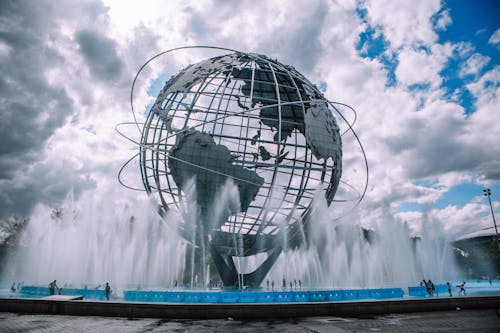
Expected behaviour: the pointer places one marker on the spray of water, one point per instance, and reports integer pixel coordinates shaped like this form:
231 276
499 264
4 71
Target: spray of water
341 253
95 241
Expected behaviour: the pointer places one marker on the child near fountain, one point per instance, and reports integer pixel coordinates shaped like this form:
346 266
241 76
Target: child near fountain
462 288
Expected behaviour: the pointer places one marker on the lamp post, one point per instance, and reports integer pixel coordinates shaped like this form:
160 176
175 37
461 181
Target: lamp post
487 193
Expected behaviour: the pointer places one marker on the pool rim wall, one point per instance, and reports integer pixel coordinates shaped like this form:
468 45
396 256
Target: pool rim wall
243 310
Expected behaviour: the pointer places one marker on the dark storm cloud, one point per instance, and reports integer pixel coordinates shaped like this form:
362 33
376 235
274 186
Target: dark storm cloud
46 182
32 107
100 54
143 45
490 170
442 156
296 42
301 41
198 27
429 150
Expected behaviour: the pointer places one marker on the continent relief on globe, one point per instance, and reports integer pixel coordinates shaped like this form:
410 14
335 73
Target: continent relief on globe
318 125
195 155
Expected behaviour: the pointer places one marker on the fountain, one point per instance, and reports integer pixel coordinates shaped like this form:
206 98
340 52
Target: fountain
95 241
244 156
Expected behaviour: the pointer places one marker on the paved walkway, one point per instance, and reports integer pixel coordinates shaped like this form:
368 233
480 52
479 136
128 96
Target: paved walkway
466 321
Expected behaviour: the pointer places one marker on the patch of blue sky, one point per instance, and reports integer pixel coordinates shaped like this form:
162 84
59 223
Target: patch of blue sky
456 90
431 183
373 45
155 88
157 84
473 22
409 207
390 63
419 86
147 108
455 84
458 195
322 86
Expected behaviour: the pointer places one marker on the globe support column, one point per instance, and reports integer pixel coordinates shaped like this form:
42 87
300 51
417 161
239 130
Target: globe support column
230 275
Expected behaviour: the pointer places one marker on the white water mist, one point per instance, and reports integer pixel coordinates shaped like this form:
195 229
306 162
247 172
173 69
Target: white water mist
98 240
342 253
94 241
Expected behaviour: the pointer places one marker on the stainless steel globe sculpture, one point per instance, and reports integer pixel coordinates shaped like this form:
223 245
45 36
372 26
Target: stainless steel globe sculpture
246 122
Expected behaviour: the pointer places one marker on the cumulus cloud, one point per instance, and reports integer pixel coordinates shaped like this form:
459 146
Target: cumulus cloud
474 64
420 66
66 70
495 38
456 221
46 182
443 20
100 54
32 108
43 91
404 22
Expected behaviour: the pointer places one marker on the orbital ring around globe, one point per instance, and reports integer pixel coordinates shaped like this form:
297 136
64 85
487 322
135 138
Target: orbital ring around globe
281 141
359 195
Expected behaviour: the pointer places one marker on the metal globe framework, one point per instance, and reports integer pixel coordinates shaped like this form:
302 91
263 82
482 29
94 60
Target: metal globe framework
247 121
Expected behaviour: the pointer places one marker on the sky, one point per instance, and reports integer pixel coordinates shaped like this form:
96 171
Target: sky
424 77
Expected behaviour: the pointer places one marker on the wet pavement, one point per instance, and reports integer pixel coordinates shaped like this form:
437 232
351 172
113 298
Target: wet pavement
439 321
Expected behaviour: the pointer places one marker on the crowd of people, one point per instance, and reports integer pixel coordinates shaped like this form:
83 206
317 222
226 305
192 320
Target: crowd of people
13 288
432 291
270 284
295 284
53 288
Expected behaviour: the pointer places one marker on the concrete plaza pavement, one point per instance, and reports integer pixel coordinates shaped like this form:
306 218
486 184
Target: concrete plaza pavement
466 321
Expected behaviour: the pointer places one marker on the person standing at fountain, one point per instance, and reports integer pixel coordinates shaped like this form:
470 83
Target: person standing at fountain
427 287
284 283
272 285
432 288
267 284
449 288
462 288
108 290
52 287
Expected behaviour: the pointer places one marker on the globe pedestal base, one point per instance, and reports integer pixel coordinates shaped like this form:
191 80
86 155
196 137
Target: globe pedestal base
230 275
